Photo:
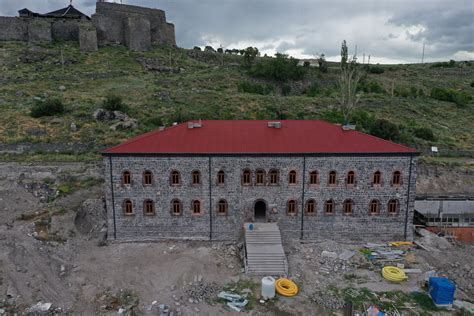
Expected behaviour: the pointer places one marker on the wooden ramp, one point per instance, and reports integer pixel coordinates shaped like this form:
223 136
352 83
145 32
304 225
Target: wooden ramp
264 253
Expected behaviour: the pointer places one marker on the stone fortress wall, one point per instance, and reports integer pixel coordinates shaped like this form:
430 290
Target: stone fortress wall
241 199
135 27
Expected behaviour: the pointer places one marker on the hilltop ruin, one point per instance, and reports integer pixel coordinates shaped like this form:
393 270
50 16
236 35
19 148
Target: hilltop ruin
138 28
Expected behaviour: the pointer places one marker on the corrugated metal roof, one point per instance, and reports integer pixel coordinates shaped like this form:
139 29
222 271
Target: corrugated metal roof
256 137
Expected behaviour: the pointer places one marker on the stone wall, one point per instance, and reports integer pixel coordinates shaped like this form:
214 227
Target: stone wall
87 37
65 29
137 34
39 31
241 199
13 29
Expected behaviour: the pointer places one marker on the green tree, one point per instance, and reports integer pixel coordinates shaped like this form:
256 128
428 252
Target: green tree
348 80
250 54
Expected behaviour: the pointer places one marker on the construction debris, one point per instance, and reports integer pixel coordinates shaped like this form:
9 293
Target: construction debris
201 291
235 301
328 300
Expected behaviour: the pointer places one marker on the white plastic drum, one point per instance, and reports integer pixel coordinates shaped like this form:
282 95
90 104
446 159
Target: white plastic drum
268 287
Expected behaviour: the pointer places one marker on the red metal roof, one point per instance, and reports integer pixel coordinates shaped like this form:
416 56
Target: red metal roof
247 137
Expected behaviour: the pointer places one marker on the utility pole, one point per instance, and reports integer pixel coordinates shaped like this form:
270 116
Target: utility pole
423 54
363 58
355 53
222 54
368 61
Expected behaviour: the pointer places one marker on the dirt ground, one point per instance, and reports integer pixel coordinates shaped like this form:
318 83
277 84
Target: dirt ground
52 251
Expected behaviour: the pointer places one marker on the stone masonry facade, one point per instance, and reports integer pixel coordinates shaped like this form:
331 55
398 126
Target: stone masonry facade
241 199
135 27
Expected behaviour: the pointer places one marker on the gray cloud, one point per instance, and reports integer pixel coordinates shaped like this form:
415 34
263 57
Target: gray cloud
389 31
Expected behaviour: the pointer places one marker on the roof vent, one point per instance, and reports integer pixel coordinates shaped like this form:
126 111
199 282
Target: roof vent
175 123
161 128
274 124
349 127
194 124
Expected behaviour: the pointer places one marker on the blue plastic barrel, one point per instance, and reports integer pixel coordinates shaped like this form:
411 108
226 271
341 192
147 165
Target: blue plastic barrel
441 290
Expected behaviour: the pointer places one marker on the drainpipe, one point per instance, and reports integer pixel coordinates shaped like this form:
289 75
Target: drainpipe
302 196
113 198
408 198
210 200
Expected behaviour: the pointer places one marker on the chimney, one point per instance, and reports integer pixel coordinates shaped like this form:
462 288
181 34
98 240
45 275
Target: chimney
349 127
274 124
161 128
192 125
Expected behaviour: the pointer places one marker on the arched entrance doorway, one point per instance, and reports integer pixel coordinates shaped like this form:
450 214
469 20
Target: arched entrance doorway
260 211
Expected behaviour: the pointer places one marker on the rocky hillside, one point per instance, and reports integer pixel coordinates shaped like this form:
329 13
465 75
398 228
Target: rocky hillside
169 85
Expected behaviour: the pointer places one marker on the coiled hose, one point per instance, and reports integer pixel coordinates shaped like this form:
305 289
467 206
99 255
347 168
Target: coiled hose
393 274
286 287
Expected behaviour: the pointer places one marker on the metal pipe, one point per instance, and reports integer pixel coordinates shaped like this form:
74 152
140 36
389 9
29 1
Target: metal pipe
408 198
113 198
210 200
302 197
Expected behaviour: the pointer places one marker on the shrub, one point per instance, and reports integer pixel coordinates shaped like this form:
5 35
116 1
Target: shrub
424 133
280 69
114 103
197 48
450 95
444 64
249 87
375 69
472 83
313 90
370 87
250 54
306 64
48 107
333 116
209 49
385 129
286 90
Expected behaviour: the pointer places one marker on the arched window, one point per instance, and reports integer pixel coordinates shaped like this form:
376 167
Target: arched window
260 177
196 207
127 207
348 206
374 207
176 207
329 207
126 177
175 178
292 177
196 177
222 207
291 207
377 178
221 177
350 178
273 176
397 178
311 207
393 207
332 178
147 177
313 177
149 207
246 177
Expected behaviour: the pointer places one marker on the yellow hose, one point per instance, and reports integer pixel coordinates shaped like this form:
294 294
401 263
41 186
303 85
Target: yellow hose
393 274
286 287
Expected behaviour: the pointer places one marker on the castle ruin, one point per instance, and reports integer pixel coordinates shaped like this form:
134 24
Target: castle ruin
136 27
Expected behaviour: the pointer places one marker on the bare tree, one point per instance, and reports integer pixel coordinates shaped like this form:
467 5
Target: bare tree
348 80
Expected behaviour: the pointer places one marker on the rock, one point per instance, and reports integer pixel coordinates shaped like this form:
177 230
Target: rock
19 93
117 115
125 125
39 307
36 131
329 254
62 88
73 127
197 310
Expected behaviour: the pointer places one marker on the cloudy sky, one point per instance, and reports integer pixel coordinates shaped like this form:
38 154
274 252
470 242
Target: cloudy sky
391 31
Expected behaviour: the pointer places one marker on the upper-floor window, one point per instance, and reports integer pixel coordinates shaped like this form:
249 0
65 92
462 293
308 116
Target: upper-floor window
127 207
247 177
350 178
332 178
348 206
292 177
374 207
329 207
313 177
273 176
393 207
149 207
377 178
311 207
221 177
176 207
222 207
147 177
175 178
126 177
196 177
196 207
291 207
397 178
260 176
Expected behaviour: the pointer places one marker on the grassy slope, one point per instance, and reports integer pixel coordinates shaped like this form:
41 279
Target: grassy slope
203 90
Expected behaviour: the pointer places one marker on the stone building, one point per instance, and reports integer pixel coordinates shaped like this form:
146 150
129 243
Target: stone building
204 180
135 27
